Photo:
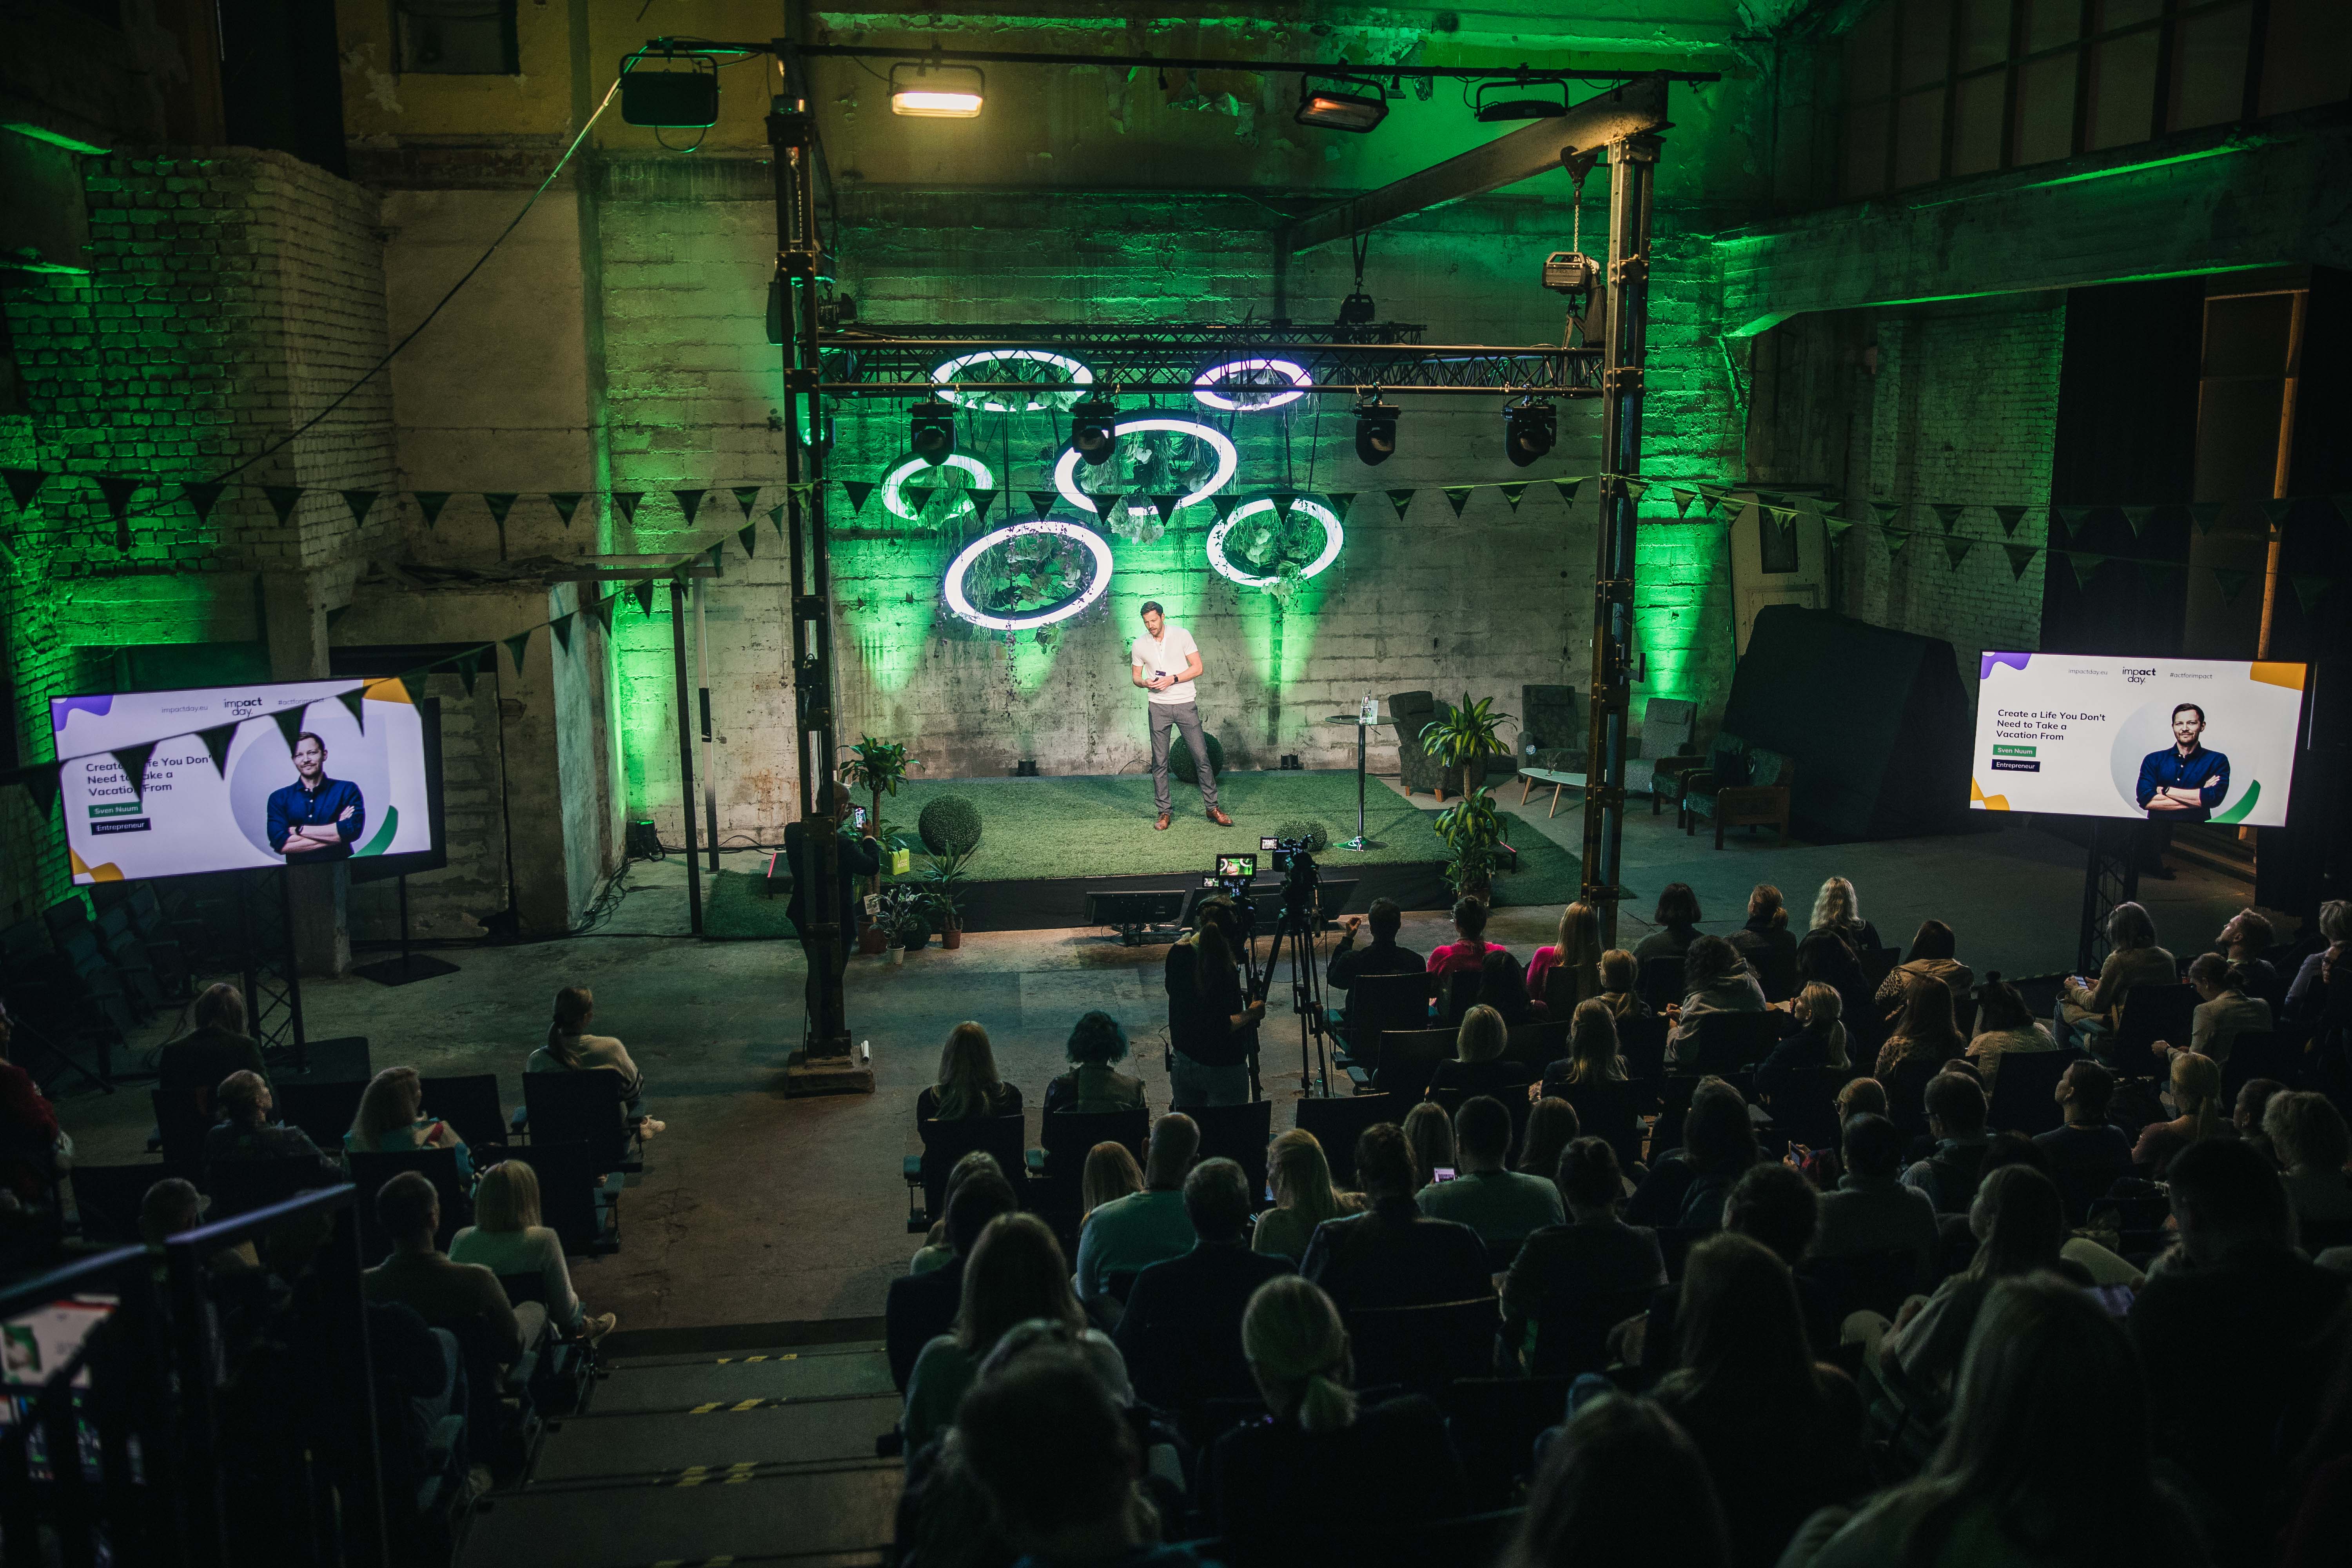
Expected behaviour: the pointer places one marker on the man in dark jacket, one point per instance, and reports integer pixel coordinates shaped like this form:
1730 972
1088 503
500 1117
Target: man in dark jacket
921 1307
1181 1332
858 856
1395 1255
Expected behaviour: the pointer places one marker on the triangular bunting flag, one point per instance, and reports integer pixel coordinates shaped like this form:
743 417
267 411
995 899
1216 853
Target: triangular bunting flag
2158 574
355 700
601 612
1956 549
283 499
132 761
2232 582
626 500
688 502
2086 565
1886 511
362 501
1108 504
1340 501
1837 527
24 484
118 488
565 503
2310 588
1222 505
857 490
2071 516
1165 505
2205 514
217 741
1947 513
517 645
500 502
2137 517
747 497
1895 538
289 726
413 682
562 629
981 501
2276 510
2011 516
2021 556
1683 500
1514 493
203 496
1567 489
776 516
643 592
430 503
1457 496
1285 500
919 496
40 782
716 553
1040 503
1637 488
1400 499
469 669
748 535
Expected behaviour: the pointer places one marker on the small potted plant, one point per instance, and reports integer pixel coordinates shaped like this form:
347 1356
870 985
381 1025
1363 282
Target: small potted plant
943 884
902 920
1472 829
879 766
1465 739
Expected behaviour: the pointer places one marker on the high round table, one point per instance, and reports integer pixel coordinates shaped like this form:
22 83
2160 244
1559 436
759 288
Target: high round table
1361 724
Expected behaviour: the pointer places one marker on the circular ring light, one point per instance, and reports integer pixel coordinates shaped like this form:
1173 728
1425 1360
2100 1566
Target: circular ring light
1097 583
894 497
1334 536
1252 385
1228 462
1055 398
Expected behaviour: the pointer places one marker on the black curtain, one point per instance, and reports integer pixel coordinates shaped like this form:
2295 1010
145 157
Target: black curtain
282 82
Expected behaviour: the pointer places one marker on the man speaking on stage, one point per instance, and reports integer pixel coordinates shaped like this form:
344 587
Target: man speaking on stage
2188 782
1164 661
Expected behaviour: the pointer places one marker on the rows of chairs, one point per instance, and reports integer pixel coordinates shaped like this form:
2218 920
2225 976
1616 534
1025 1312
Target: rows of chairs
80 978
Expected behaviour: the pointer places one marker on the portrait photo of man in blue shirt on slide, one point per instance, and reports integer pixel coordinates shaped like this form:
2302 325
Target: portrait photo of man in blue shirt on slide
315 817
2187 782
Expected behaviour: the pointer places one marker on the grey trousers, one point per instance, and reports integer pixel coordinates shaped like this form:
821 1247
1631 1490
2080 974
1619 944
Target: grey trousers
1186 717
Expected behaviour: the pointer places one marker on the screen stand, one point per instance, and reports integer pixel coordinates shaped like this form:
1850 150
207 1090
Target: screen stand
409 966
2110 877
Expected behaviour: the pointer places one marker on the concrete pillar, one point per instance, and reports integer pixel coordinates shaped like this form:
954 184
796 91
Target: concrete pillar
294 614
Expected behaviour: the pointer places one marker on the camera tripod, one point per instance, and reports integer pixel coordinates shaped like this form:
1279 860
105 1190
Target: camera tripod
1296 931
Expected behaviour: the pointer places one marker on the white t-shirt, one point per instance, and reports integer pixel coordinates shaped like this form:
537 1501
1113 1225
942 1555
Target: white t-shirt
1166 656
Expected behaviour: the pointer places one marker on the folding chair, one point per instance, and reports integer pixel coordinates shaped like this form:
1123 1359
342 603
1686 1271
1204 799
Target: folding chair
1378 1003
1642 1043
1462 993
1609 1110
2151 1013
1337 1121
2024 1091
578 1202
183 1117
944 1143
1726 1042
1237 1133
1661 982
585 1107
1408 1060
371 1171
324 1110
470 1104
1424 1348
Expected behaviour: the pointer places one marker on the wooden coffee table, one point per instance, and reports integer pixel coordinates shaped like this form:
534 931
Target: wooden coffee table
1531 777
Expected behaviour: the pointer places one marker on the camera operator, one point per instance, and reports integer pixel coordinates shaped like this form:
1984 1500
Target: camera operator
1211 1022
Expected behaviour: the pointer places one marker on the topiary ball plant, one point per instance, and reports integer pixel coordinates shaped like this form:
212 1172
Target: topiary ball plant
1180 759
1316 836
950 826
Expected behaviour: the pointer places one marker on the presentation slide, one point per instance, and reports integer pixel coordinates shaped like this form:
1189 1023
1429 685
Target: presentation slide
350 783
2160 740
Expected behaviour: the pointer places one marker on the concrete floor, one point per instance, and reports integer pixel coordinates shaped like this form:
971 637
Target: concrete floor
754 1208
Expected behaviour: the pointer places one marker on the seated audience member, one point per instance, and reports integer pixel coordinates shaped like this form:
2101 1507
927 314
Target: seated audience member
1094 1085
2004 1025
2244 941
1551 1127
1871 1210
1775 1205
2087 1156
1058 1463
967 1088
1781 1433
1592 1055
571 1048
392 1121
935 1251
1325 1480
922 1306
31 1143
1304 1196
1956 1119
172 1207
1926 1036
2225 1012
1504 988
1466 954
1715 979
2088 1013
1837 909
1818 1040
1182 1333
1575 949
2045 1460
1857 1097
1501 1205
2255 1097
1015 1272
1687 1186
2307 1133
2193 1092
1429 1133
2227 1320
1620 1482
2306 994
1392 1255
2020 1225
1621 975
1479 1066
1766 942
1592 1258
507 1238
217 1046
1380 955
1110 1173
1932 948
420 1275
1677 917
1823 956
244 1133
1131 1233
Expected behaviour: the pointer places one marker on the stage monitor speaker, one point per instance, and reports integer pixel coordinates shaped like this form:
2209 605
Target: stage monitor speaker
1877 720
1134 911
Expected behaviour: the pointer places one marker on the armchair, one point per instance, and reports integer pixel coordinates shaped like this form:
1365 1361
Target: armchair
1759 798
1725 768
1548 734
1669 726
1412 712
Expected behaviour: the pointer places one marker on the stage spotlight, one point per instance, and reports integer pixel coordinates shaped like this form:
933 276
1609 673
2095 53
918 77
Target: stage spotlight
1094 429
930 431
1376 424
936 91
1243 384
1529 428
1509 109
1327 109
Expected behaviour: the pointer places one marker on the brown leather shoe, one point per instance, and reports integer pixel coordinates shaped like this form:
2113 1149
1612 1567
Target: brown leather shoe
1219 817
1165 818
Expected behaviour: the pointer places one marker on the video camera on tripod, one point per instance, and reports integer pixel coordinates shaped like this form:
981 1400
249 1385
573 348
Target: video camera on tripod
1302 880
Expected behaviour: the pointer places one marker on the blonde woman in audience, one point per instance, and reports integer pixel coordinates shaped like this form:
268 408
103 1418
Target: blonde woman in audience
2224 1012
2004 1025
2195 1095
392 1121
1429 1132
571 1048
1304 1195
1837 909
2307 1132
1576 948
1592 1055
1479 1066
1110 1173
969 1086
2093 1011
937 1249
1818 1041
507 1237
1620 974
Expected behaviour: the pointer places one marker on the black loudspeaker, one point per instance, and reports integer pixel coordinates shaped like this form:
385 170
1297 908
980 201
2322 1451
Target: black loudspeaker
642 843
687 99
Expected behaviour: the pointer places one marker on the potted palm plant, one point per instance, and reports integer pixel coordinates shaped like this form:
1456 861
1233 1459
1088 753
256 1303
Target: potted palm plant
944 881
880 767
1471 828
1466 738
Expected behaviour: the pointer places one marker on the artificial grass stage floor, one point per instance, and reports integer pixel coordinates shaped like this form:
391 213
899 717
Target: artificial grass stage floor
1100 825
737 908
